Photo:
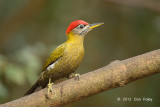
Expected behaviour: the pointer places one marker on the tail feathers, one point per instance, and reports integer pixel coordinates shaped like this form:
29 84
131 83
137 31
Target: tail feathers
32 89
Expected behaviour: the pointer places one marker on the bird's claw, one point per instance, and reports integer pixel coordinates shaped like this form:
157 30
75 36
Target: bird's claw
50 92
75 76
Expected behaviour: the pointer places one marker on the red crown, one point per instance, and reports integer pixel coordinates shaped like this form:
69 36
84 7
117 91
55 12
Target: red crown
74 25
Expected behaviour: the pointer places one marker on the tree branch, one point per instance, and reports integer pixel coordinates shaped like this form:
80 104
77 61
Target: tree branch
116 74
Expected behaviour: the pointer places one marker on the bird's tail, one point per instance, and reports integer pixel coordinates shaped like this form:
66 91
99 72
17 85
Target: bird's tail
32 89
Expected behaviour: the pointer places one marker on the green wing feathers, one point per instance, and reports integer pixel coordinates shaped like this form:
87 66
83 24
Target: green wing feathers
57 53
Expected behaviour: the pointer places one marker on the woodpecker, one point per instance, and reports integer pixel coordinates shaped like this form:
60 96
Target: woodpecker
66 58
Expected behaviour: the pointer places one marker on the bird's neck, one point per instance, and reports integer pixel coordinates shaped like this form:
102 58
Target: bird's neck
75 39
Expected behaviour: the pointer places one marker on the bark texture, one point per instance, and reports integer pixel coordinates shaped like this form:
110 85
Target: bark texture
116 74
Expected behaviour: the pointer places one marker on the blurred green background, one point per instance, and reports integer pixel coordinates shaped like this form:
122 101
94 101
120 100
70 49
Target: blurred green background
31 29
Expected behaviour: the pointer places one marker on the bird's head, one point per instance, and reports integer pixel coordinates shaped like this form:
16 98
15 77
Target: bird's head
80 28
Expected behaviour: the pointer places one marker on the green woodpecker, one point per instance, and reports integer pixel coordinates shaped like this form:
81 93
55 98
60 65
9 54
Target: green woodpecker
66 58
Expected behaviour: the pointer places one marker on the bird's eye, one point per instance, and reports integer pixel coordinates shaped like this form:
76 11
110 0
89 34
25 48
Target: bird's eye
81 26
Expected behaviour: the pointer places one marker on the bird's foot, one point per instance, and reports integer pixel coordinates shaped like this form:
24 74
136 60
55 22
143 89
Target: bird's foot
75 76
50 92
